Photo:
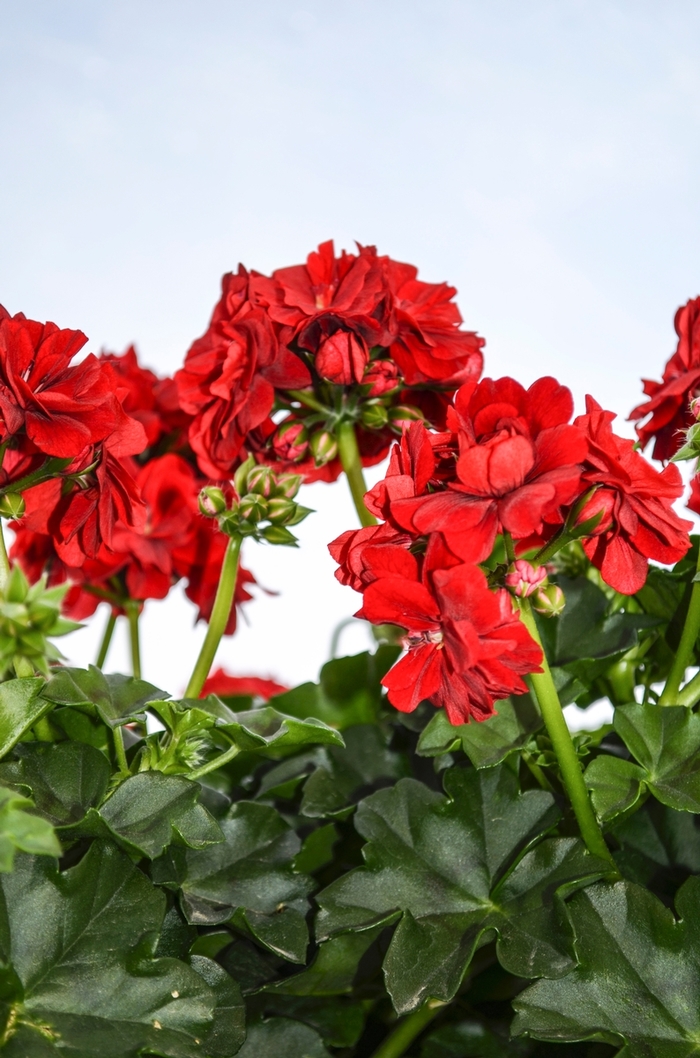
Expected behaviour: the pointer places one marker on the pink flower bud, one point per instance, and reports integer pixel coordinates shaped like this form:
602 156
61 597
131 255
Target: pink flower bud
601 505
291 442
324 447
342 358
382 376
549 601
523 579
695 407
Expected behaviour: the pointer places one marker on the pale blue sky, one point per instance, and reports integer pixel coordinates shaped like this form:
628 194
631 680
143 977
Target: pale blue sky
541 156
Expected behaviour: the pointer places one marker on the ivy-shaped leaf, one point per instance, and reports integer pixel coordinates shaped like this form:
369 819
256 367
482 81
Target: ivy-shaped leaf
638 978
435 864
20 708
81 946
66 778
488 743
248 879
282 1038
665 741
150 810
117 699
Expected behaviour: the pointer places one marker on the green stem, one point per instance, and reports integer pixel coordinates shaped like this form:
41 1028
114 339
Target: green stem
43 730
219 618
308 399
106 639
212 765
398 1041
50 469
569 766
132 613
4 561
669 695
352 465
119 750
690 693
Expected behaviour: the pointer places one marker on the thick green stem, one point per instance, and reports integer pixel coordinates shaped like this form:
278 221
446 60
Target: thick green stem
690 694
398 1041
308 399
4 561
669 695
106 639
219 618
569 766
132 613
352 465
212 765
119 750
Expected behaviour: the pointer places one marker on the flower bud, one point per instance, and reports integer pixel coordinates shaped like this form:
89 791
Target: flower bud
261 480
253 507
277 534
691 445
524 579
287 485
240 478
549 600
404 415
324 447
342 358
212 501
280 510
382 376
596 515
291 442
695 407
11 505
374 415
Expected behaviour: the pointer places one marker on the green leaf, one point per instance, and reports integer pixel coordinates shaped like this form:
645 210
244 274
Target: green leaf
149 811
340 1023
248 878
471 1039
66 778
82 943
265 728
282 1038
665 740
333 971
638 978
117 699
349 692
20 708
317 850
659 847
22 831
486 743
433 863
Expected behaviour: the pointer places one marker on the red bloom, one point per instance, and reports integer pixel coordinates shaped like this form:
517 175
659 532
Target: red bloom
342 359
411 467
694 501
227 382
519 464
638 522
466 647
62 407
428 344
226 686
668 407
375 551
382 376
135 387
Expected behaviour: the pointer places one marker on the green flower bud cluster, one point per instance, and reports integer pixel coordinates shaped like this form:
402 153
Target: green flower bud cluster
28 615
265 508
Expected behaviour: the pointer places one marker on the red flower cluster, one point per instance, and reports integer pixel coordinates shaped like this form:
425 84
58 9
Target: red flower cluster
357 320
668 407
121 520
510 464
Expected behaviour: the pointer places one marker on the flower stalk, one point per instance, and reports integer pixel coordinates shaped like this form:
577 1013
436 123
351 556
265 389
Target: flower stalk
106 639
569 765
408 1029
352 465
689 635
132 613
219 617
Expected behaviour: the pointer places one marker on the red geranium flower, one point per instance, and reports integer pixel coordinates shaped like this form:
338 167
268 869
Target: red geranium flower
466 647
638 520
375 551
227 686
428 344
668 408
62 407
519 464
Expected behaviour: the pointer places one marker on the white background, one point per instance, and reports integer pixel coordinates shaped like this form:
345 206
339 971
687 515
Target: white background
543 157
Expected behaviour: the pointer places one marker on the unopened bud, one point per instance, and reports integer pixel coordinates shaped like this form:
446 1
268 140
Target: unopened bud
240 478
212 501
374 416
277 534
524 579
291 442
261 480
11 505
404 414
324 447
695 407
287 485
596 514
253 507
549 601
382 376
280 510
691 445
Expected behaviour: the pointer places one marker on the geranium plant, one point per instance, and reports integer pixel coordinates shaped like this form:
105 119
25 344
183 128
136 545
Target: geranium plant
413 856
